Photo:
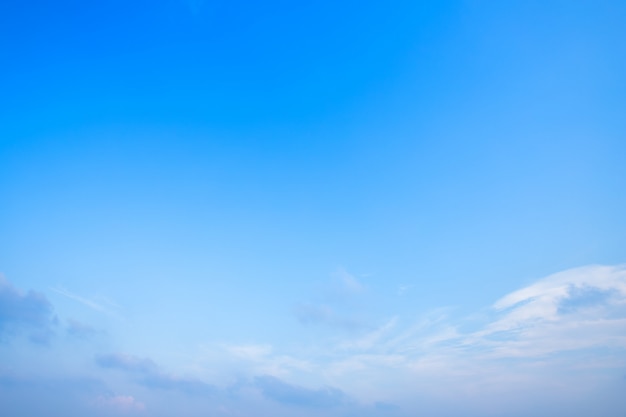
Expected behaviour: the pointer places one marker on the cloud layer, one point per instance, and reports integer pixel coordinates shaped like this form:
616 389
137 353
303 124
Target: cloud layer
558 344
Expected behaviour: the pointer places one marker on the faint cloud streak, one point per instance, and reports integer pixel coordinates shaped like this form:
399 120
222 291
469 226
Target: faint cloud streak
109 310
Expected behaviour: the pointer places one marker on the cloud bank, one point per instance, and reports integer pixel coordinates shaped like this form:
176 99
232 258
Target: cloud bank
554 347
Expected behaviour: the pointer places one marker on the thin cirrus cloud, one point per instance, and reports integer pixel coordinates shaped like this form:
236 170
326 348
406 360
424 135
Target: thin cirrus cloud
563 336
565 333
101 305
578 309
347 283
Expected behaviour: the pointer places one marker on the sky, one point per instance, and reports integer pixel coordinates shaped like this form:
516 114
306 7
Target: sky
342 209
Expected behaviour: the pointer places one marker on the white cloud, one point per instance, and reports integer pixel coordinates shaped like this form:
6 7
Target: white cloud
371 339
262 360
348 282
574 309
533 337
102 305
562 336
250 352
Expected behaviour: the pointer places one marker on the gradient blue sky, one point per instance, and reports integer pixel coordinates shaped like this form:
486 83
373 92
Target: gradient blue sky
284 208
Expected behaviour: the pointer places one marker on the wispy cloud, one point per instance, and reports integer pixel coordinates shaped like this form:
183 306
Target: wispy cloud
371 339
526 339
101 305
348 283
564 335
575 309
262 359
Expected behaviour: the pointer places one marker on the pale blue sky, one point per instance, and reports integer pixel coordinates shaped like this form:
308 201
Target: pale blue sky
278 208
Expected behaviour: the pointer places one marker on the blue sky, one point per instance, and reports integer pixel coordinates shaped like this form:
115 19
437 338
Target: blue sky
302 209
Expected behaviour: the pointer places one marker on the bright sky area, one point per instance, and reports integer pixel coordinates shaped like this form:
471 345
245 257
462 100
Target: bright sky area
281 208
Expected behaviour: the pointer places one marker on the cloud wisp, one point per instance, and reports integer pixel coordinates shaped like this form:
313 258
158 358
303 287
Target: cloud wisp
562 334
575 309
105 306
347 283
572 310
